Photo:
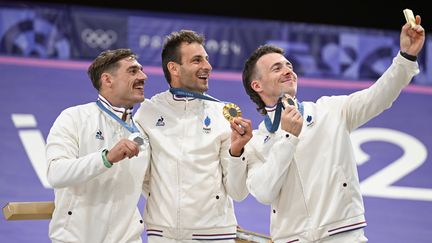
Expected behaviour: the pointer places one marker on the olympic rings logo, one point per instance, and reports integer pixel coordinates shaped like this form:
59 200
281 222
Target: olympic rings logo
99 38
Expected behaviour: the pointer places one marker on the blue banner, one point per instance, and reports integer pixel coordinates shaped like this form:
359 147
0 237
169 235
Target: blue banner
37 32
321 51
349 53
95 31
228 41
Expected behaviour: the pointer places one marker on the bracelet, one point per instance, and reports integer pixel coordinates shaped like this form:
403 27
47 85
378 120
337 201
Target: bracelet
105 159
408 56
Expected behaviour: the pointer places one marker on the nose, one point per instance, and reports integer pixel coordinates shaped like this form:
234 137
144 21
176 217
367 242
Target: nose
288 70
207 65
142 75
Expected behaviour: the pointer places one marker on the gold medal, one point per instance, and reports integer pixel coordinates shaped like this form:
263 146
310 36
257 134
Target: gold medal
231 111
288 100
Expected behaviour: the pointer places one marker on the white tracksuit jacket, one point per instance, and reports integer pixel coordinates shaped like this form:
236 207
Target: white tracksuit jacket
193 177
311 181
93 203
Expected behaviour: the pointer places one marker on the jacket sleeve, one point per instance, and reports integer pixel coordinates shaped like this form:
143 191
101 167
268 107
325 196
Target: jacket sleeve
267 174
234 172
65 167
363 105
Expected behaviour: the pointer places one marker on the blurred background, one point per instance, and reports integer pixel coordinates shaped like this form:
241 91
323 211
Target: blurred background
336 48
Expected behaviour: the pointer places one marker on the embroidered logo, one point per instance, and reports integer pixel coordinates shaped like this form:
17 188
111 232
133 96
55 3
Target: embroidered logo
160 122
309 121
99 135
266 138
206 127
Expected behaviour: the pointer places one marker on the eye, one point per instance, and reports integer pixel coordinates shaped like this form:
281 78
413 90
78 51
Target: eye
133 71
276 68
290 66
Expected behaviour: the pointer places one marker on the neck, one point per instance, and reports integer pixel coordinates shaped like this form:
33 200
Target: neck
116 103
270 101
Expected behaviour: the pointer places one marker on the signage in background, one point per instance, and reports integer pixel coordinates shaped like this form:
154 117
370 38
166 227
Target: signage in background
35 32
316 50
95 31
228 41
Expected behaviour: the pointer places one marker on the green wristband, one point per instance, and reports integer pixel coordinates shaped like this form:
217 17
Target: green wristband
105 160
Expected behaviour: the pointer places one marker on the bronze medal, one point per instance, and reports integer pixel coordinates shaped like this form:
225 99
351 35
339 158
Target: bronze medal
288 100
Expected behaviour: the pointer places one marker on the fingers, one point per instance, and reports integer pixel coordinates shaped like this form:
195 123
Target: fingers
240 135
291 111
406 27
418 20
124 148
418 28
132 148
241 125
291 120
285 103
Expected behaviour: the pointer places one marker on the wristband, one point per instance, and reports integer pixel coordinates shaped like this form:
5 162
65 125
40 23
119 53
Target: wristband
408 56
105 159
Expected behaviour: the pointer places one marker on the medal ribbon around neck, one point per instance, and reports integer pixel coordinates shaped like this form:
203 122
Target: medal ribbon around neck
273 126
131 128
230 110
186 93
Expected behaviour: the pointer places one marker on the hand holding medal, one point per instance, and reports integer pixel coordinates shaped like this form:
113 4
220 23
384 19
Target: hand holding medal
291 118
137 138
241 129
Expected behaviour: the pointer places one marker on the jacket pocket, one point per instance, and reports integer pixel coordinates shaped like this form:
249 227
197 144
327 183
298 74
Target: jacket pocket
63 226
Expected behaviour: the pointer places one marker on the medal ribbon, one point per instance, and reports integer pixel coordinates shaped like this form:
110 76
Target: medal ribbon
273 126
131 128
186 93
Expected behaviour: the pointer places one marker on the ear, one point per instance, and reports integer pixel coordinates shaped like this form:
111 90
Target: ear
106 80
173 68
256 86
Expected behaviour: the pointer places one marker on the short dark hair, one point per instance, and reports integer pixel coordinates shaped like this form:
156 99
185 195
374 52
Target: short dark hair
171 48
250 72
107 61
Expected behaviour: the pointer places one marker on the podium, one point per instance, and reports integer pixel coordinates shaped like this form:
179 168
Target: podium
28 210
44 210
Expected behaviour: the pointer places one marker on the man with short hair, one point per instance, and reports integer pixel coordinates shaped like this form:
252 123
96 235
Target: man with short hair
97 157
301 159
197 165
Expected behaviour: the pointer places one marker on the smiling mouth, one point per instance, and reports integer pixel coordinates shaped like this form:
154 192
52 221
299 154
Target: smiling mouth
288 81
203 75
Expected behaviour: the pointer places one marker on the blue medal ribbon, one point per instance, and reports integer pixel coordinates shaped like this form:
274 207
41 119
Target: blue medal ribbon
186 93
273 126
132 128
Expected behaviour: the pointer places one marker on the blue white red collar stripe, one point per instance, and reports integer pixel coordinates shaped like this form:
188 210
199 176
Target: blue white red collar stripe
182 98
270 108
118 110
